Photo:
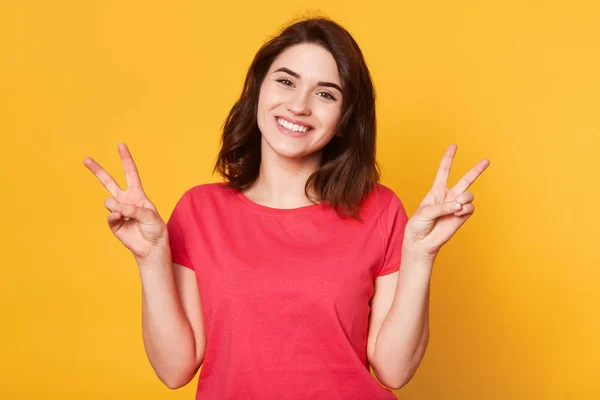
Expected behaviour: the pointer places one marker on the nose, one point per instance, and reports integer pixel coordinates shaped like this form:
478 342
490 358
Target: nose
299 104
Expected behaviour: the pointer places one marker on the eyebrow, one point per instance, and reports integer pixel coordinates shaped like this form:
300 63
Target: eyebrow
297 75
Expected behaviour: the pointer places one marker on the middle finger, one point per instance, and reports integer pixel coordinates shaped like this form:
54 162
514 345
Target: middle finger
131 173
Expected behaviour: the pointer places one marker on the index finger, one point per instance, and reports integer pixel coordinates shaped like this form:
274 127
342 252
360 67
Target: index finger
131 173
467 180
104 177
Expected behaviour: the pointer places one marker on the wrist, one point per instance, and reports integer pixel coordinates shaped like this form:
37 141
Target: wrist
160 255
417 257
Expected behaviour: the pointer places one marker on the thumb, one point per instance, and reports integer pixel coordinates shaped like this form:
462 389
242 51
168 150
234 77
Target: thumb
140 214
435 211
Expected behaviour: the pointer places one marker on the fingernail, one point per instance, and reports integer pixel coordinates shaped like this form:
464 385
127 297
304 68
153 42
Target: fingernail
456 207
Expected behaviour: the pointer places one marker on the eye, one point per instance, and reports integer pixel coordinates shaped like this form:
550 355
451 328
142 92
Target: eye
327 95
284 80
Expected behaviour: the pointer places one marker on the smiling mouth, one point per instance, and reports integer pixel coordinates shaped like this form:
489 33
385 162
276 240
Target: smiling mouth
294 129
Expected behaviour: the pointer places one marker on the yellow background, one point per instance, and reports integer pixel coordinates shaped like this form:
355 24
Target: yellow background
514 300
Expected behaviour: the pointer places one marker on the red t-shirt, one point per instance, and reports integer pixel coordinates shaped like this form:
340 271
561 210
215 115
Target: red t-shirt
285 293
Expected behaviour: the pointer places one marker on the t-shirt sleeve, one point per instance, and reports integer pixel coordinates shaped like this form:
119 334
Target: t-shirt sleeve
176 227
394 221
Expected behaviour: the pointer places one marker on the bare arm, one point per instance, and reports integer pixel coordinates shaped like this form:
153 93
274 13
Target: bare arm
404 333
172 326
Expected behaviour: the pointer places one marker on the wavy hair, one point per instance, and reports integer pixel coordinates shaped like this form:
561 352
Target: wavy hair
348 170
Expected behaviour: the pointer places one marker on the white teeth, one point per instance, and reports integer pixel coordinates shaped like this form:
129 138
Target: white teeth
290 126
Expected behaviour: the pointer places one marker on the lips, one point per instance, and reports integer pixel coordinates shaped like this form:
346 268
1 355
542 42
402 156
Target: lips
287 132
294 121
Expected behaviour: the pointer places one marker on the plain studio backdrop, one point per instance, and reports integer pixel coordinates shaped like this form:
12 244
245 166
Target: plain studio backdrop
514 295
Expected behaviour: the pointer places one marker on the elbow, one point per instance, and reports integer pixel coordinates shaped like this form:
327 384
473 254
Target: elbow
387 380
396 384
405 378
395 381
174 385
180 379
392 384
176 382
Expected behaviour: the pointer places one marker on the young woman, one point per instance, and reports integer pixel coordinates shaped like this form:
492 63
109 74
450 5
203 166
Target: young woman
284 282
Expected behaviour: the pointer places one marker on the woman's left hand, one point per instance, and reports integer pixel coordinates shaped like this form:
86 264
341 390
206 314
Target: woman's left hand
435 221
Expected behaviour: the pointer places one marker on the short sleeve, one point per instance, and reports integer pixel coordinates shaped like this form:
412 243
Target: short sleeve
394 221
176 227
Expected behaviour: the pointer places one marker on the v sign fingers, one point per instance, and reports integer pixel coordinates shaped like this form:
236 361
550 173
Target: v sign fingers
134 194
133 219
104 177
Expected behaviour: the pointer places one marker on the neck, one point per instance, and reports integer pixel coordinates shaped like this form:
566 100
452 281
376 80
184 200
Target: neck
282 180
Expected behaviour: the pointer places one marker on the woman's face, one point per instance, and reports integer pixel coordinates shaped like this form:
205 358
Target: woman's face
302 92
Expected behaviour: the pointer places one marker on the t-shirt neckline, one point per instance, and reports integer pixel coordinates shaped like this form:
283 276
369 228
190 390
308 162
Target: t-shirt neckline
277 211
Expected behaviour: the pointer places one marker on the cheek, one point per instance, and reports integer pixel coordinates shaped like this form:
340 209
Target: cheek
267 101
268 96
330 118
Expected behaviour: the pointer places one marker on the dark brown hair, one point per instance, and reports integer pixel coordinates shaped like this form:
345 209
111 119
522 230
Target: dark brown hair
348 170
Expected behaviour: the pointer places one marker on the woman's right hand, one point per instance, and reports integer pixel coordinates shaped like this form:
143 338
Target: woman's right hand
133 218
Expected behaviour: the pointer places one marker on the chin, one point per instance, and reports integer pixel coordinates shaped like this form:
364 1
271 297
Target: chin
283 151
286 150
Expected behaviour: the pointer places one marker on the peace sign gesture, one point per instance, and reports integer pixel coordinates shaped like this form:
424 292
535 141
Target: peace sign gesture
435 220
133 218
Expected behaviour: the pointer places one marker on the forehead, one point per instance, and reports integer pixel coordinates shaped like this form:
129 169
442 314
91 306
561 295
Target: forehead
312 62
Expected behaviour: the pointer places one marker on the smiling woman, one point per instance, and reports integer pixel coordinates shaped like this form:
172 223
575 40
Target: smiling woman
279 280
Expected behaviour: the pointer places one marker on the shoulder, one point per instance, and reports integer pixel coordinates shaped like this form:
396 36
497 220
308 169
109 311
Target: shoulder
208 190
380 199
199 195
